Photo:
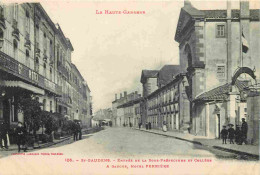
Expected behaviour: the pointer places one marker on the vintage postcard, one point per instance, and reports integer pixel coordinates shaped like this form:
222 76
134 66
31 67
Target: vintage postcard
129 87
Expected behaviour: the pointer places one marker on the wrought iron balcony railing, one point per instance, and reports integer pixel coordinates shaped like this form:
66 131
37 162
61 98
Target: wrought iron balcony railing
12 66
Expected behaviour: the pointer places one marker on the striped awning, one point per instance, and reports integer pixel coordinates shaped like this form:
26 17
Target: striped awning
22 85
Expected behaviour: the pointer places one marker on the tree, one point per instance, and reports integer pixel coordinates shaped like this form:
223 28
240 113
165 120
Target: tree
31 109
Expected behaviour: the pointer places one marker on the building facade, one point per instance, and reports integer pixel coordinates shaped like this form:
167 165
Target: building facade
35 57
211 51
130 112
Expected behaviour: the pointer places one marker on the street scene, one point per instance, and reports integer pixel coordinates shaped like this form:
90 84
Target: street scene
124 87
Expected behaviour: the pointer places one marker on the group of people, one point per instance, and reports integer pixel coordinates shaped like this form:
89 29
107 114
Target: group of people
77 134
148 125
20 133
240 134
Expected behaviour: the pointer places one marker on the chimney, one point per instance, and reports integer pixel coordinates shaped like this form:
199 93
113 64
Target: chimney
187 3
125 93
120 95
115 96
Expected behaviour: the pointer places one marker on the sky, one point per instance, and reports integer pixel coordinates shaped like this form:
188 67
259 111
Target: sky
110 51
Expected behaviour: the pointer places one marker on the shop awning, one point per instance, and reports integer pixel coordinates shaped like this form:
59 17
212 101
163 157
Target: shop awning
22 85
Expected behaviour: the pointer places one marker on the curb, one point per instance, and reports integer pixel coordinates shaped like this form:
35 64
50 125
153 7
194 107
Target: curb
236 152
50 143
179 138
199 143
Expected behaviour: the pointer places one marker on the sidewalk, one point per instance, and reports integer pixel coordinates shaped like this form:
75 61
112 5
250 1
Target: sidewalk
250 150
13 147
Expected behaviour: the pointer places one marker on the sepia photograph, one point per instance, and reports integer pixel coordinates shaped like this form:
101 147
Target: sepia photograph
129 87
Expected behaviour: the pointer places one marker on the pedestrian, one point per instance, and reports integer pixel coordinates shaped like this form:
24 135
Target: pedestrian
238 135
20 136
224 134
140 125
79 131
244 129
164 126
150 125
146 125
231 133
75 131
3 135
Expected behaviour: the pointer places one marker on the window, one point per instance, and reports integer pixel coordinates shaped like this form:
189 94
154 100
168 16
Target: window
221 71
27 22
220 31
51 74
1 38
15 49
50 106
44 104
27 53
36 64
15 11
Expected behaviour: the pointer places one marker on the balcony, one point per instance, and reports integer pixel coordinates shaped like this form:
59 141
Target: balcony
21 71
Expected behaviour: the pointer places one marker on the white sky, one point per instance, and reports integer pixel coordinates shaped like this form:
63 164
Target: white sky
110 51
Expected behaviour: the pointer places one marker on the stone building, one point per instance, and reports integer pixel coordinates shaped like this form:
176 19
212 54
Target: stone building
169 103
211 51
118 113
35 56
129 112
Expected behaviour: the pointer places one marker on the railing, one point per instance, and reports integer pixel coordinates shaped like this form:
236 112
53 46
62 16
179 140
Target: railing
22 71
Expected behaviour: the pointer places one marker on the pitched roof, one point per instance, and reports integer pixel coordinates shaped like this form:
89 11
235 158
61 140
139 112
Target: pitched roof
167 73
221 92
235 13
148 74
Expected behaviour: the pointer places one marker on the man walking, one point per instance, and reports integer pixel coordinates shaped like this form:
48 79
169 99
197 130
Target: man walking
244 129
20 135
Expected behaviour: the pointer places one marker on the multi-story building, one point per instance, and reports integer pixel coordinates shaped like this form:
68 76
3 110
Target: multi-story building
212 48
35 56
130 111
170 104
117 113
154 108
121 110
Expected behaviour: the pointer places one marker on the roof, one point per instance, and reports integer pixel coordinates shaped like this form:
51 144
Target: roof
148 74
167 73
188 13
235 13
130 103
221 92
191 10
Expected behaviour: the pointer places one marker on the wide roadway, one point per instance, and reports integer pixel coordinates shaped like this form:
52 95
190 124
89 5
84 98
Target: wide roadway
126 151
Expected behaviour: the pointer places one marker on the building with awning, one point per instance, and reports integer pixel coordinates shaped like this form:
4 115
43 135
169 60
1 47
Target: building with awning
35 59
22 85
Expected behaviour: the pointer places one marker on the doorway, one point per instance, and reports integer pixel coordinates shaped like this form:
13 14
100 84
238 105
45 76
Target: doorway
218 126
